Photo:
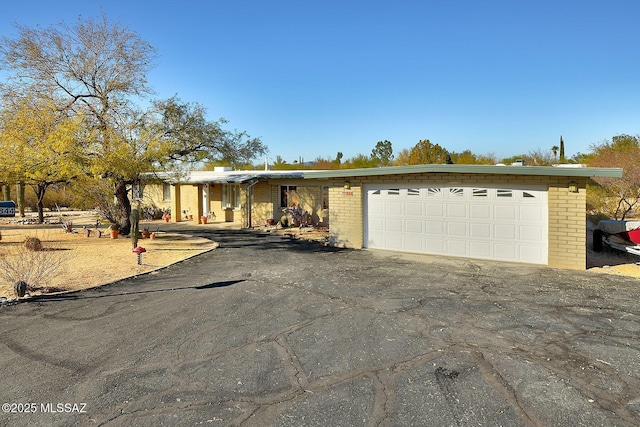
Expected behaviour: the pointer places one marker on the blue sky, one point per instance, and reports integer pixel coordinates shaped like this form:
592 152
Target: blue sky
314 78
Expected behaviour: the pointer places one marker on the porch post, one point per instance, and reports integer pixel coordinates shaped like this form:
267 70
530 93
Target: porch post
176 206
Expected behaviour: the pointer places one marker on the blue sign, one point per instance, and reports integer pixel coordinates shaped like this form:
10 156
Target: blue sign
7 209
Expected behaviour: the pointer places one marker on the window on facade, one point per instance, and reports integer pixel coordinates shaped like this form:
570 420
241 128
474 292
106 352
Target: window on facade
527 195
456 192
393 192
504 193
231 196
434 192
288 196
137 191
480 192
325 197
166 193
413 192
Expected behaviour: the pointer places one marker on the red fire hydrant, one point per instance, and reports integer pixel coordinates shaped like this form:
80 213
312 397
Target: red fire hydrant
139 250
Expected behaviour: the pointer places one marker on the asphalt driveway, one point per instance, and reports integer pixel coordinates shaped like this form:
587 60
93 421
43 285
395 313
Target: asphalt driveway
267 331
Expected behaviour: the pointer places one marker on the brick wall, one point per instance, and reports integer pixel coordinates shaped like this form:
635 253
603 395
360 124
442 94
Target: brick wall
567 223
346 214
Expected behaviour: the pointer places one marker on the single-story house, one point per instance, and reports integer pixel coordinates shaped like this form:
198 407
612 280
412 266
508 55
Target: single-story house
528 214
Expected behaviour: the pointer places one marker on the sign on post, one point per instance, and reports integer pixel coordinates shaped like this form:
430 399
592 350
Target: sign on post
7 208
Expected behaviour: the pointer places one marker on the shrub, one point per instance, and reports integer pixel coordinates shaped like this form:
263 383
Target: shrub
33 244
18 263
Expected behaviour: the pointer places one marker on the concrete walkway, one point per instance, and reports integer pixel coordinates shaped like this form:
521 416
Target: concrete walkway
268 331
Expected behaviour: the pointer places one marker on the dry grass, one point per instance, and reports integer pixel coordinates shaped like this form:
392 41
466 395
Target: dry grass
90 261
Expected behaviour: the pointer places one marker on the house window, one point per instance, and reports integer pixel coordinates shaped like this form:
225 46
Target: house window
137 191
166 193
231 196
288 196
504 193
325 197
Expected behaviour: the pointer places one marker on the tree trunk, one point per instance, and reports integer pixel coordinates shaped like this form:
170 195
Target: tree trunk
6 192
125 206
40 189
20 197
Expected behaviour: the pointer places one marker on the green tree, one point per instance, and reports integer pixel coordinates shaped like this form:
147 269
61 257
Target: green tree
360 161
469 158
37 145
97 71
382 153
424 153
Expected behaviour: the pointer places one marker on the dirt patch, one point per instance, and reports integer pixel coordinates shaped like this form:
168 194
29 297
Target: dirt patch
92 261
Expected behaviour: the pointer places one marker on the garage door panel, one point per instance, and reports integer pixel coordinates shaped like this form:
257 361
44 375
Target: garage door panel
413 244
435 210
376 224
456 210
480 249
480 211
435 228
480 230
506 252
533 254
457 229
528 233
507 224
413 209
414 227
457 247
531 213
393 208
375 207
436 246
394 243
505 231
505 212
393 225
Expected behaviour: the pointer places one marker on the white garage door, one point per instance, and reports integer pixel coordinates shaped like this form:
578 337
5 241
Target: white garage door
507 224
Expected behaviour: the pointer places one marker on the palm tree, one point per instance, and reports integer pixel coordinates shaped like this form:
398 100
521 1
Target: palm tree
555 152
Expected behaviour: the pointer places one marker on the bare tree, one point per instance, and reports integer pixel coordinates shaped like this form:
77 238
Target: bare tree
95 70
98 70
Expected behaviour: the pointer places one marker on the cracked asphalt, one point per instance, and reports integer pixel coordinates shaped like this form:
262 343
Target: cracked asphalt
269 331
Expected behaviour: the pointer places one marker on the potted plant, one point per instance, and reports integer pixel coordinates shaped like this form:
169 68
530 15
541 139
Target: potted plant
145 233
114 230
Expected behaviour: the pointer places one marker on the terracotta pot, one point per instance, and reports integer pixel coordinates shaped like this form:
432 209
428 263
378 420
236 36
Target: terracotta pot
152 235
204 219
114 234
167 218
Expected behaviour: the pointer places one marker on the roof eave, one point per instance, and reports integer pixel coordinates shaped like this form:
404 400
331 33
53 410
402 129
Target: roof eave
473 169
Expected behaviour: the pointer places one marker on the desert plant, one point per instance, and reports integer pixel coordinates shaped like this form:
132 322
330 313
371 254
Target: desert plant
33 244
20 288
135 223
19 264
